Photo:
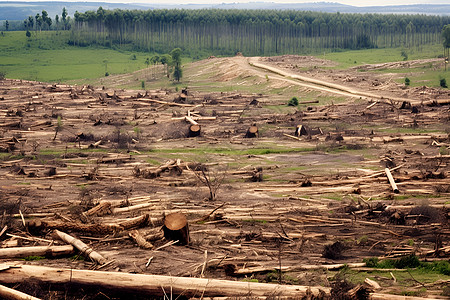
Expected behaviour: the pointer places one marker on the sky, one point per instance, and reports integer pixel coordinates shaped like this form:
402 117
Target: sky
348 2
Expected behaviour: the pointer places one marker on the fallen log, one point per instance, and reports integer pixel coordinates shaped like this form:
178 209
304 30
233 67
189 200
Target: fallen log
391 181
82 247
47 251
11 294
143 220
140 240
156 284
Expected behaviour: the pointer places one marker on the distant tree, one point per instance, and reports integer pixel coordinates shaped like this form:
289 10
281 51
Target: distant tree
6 25
176 56
38 19
293 101
404 55
177 73
176 60
30 22
64 17
57 22
446 36
166 61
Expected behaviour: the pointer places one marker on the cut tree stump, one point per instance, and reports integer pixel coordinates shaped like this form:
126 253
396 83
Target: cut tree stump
176 228
300 130
194 130
252 132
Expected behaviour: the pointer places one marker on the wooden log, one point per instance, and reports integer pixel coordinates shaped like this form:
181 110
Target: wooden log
37 224
252 132
194 130
176 228
155 285
190 120
11 294
99 210
47 251
391 181
82 247
140 240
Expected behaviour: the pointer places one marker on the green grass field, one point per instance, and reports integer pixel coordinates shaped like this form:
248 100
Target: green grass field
46 56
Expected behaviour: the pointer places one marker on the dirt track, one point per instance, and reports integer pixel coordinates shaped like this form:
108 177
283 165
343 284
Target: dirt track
317 189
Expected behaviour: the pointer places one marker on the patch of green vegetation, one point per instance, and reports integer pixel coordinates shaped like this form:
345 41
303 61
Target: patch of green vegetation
33 258
45 57
255 221
410 261
24 183
415 293
250 280
346 59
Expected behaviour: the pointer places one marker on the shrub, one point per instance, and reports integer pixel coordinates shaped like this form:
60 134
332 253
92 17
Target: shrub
2 75
407 81
443 83
293 101
404 55
143 84
106 74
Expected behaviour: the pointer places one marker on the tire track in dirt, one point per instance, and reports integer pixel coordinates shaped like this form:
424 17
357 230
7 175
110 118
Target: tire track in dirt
321 85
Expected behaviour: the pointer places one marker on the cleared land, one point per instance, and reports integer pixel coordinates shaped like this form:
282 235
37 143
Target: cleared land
305 205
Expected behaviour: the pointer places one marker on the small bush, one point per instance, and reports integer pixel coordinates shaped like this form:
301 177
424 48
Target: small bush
2 75
143 84
407 81
443 83
106 74
404 55
293 101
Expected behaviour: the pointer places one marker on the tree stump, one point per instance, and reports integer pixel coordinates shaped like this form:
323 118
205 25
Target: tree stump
252 132
300 130
194 130
176 228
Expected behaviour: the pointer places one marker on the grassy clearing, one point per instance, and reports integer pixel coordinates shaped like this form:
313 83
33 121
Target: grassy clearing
347 59
47 57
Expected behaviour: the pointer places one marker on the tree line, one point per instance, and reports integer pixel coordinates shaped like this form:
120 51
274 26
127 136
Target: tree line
253 32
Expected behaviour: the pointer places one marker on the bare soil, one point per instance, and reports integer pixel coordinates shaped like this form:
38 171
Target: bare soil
326 187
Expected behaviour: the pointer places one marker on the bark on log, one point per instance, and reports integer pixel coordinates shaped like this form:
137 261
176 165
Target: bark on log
176 227
82 247
140 240
391 181
154 284
143 220
99 210
36 251
10 294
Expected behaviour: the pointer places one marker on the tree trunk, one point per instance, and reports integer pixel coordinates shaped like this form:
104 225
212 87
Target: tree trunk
391 181
10 294
176 228
84 249
155 284
36 251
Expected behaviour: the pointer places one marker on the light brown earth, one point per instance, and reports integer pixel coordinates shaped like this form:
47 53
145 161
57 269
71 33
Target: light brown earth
317 189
